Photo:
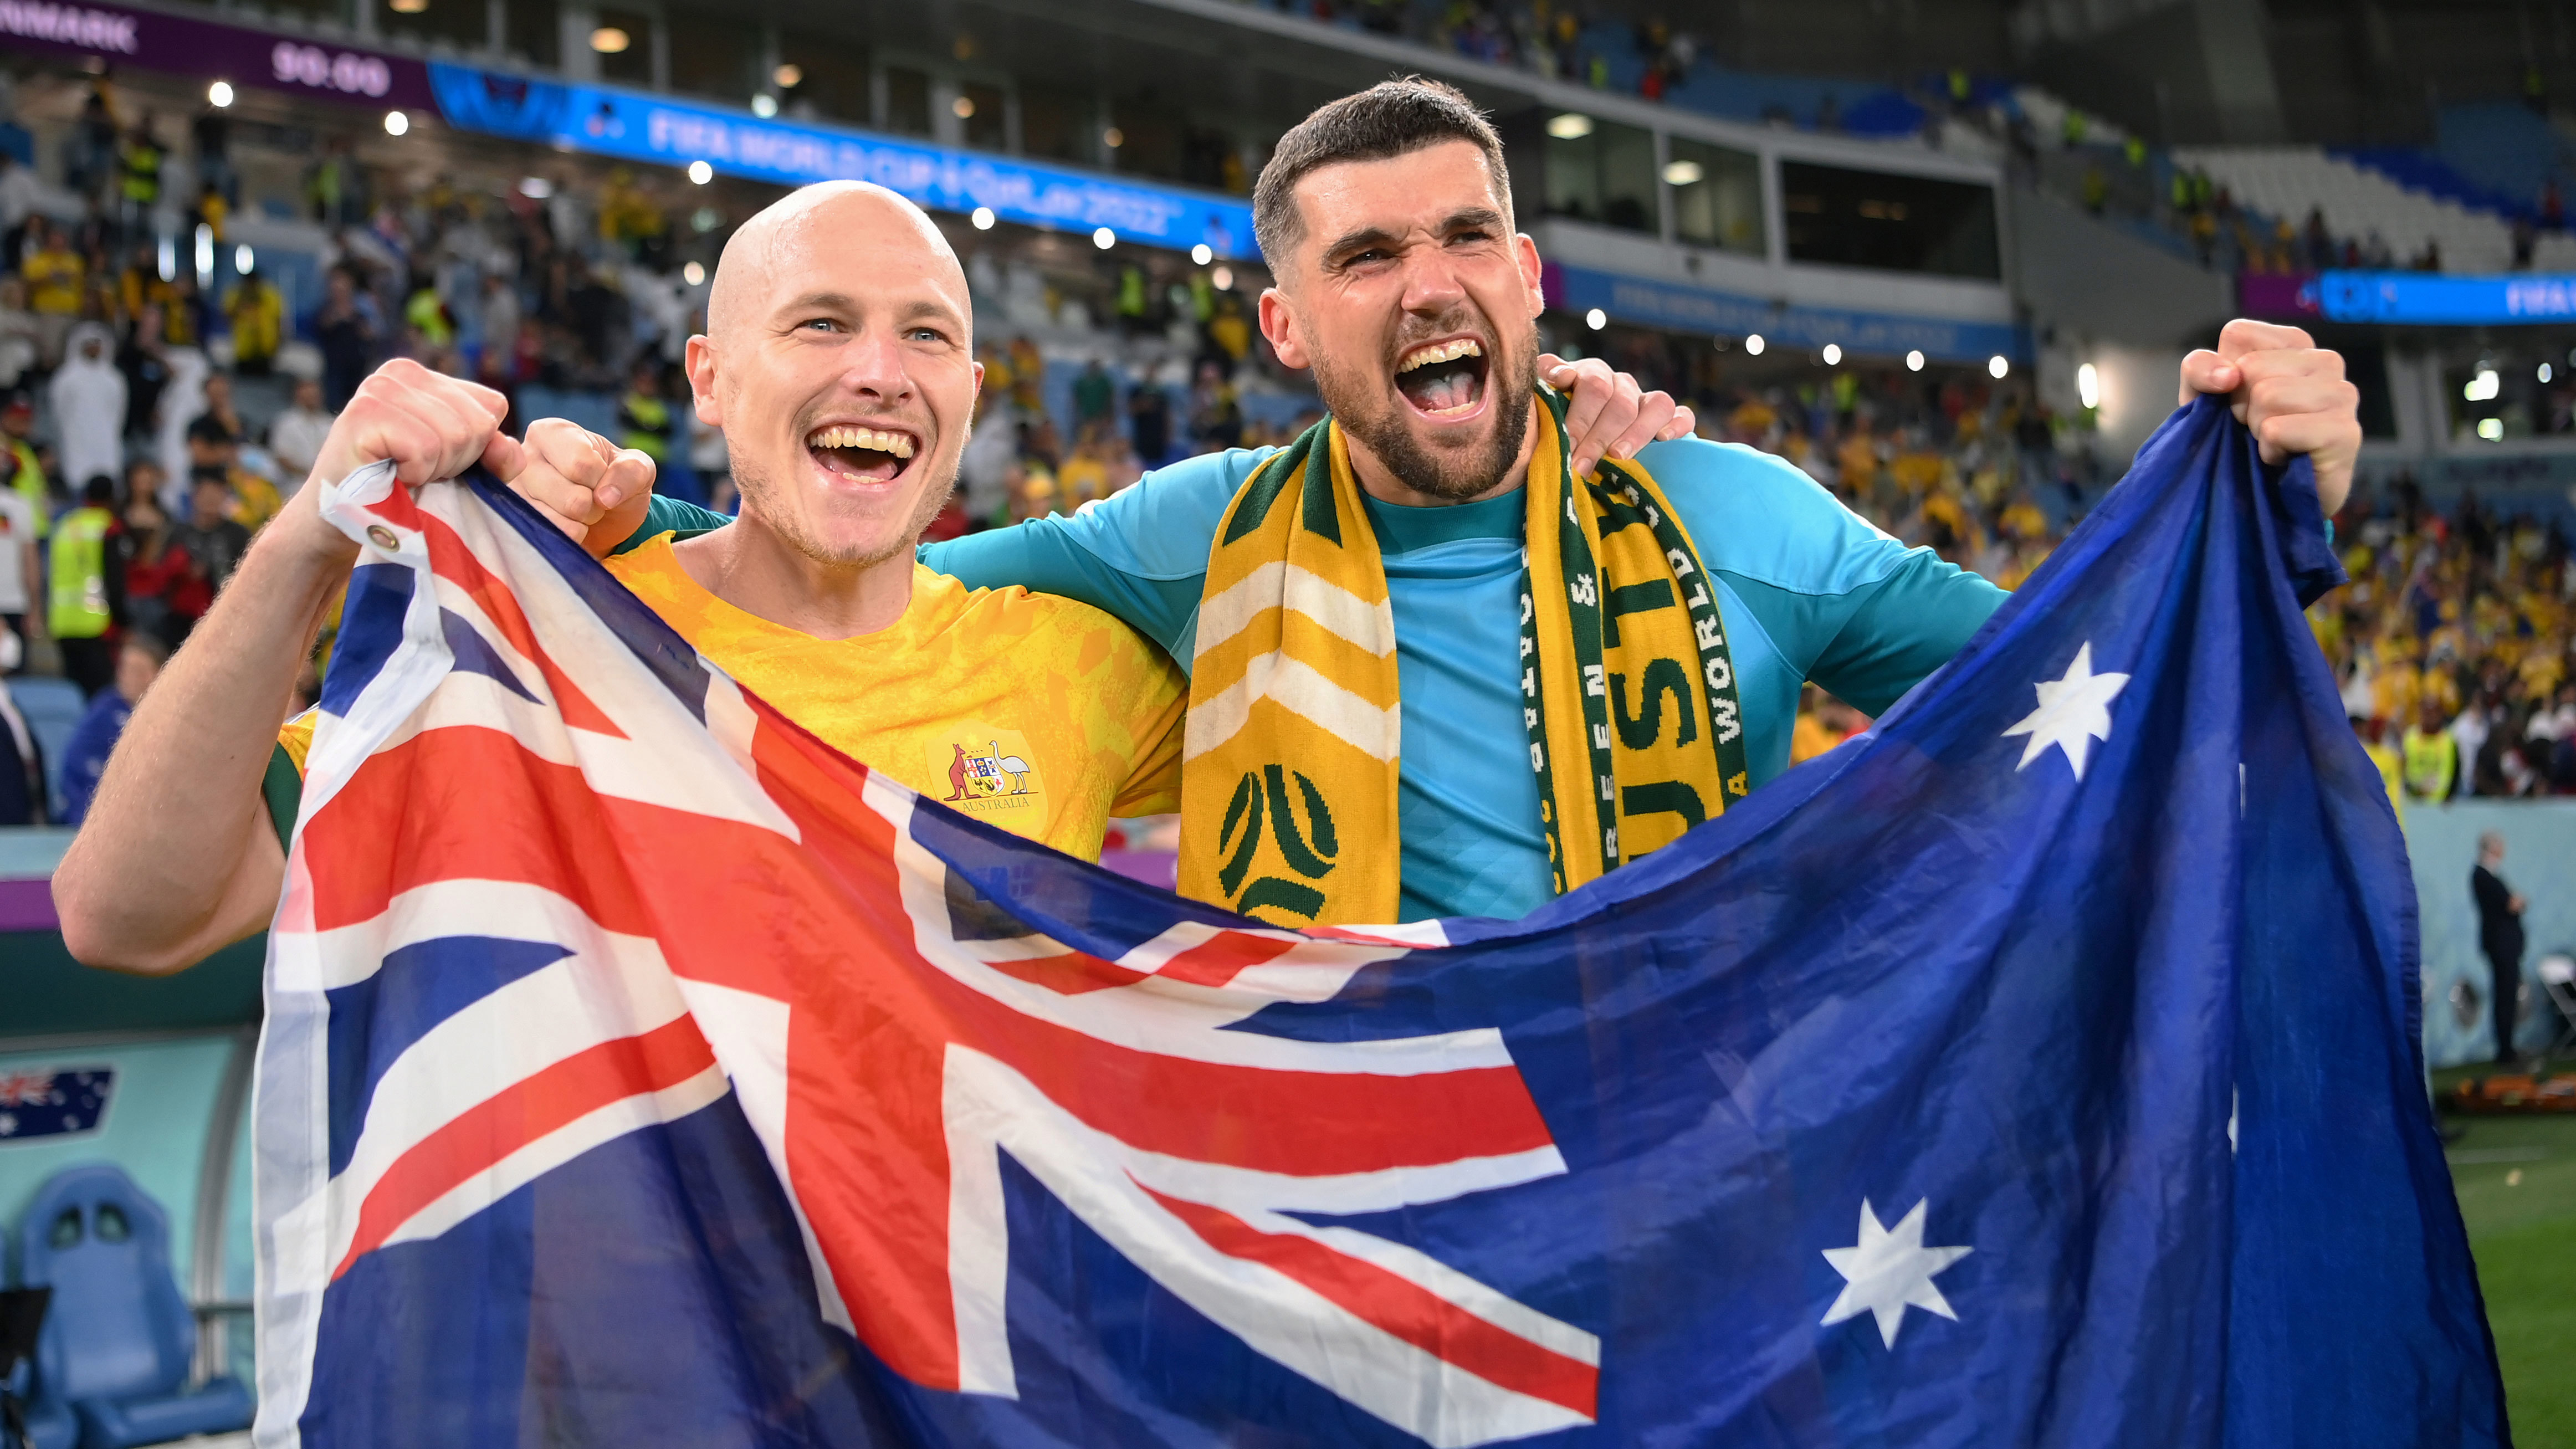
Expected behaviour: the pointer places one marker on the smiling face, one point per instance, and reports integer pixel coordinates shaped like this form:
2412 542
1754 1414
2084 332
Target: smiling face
1416 305
840 366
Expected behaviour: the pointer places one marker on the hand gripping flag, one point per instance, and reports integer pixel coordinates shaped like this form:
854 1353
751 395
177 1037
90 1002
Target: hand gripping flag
2038 1070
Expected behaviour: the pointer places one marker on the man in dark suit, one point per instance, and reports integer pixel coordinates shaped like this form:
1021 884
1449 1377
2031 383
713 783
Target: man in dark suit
2499 935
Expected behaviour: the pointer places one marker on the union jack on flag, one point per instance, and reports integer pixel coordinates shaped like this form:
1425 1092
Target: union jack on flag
639 1071
26 1089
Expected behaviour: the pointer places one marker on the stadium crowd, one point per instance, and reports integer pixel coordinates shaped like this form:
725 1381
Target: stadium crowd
2453 643
152 425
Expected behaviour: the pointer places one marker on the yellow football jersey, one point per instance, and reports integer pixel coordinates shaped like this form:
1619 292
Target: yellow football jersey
1038 714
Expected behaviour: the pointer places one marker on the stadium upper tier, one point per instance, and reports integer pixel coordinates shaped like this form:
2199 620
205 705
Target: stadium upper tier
2360 203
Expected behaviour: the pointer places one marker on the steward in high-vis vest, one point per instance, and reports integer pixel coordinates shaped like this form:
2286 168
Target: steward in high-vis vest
2431 758
643 418
138 165
26 473
83 590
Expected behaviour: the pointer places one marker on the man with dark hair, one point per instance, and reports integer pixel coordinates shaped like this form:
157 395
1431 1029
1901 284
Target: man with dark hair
1439 664
212 540
2499 938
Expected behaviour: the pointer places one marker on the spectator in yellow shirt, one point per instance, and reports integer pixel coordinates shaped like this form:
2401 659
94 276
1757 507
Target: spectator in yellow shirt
54 274
258 316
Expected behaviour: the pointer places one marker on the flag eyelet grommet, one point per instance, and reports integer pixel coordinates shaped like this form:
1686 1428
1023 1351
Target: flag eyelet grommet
383 538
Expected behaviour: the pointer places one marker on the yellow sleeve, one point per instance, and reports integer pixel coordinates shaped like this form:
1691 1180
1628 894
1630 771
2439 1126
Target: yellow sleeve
1153 783
296 737
282 788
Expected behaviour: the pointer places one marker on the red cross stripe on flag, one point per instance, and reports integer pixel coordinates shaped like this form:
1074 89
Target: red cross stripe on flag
700 898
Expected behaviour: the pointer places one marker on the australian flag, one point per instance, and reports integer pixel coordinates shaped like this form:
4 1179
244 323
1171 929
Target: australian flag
2038 1070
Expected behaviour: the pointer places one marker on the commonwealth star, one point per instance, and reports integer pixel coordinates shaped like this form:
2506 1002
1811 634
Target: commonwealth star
2073 712
1889 1271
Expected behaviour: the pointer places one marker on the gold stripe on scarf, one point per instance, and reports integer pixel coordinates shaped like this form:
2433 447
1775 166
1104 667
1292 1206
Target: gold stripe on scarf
1293 739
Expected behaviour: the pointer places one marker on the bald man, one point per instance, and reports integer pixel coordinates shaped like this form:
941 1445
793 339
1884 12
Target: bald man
840 366
842 371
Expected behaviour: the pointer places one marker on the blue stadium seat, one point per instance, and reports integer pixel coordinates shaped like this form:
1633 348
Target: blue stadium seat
52 707
117 1341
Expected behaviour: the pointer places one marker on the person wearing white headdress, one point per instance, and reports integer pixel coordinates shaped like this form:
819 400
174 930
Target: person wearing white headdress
183 401
88 397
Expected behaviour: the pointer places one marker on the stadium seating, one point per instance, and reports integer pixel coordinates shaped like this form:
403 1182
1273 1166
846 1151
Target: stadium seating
52 708
118 1339
2358 201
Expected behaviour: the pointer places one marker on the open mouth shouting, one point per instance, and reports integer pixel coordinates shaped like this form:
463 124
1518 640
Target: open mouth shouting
1444 381
847 453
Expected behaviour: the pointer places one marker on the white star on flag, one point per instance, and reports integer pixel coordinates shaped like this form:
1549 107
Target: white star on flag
2073 712
1888 1272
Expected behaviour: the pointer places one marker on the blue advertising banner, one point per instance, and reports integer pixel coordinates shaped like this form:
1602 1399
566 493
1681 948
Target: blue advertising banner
2434 299
53 1104
1699 309
668 132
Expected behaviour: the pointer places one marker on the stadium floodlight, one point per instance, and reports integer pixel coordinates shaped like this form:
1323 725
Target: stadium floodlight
1753 345
1202 254
1596 319
2088 385
1997 366
396 123
1571 126
1914 361
1104 238
982 216
1683 173
220 94
701 173
1833 354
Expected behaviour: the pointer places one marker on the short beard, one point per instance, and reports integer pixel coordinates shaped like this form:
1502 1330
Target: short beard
934 497
1454 476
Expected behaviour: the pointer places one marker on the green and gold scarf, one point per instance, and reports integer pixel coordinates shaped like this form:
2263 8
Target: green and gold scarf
1288 783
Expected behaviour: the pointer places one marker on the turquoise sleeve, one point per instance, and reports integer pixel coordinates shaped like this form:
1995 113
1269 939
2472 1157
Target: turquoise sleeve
1901 628
670 515
1044 557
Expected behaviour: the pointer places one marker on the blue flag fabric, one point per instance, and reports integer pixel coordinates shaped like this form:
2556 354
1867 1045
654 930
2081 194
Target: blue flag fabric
2039 1069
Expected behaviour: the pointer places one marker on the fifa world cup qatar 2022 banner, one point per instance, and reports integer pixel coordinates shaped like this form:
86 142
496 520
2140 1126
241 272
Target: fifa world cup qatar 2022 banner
666 131
654 129
2036 1070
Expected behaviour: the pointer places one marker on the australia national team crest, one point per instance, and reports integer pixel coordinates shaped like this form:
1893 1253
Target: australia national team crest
992 774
